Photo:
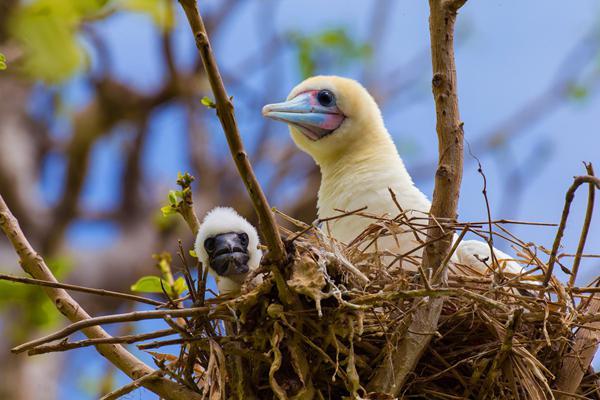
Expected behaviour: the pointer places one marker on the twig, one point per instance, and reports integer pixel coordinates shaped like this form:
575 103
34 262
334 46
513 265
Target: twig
77 288
186 206
507 344
225 112
33 264
64 346
187 274
576 362
585 228
395 368
490 238
111 319
130 387
578 181
446 260
589 289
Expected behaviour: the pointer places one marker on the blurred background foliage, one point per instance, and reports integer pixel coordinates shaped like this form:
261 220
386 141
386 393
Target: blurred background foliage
103 102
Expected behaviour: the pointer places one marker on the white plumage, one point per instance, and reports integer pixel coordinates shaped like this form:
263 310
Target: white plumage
359 163
221 220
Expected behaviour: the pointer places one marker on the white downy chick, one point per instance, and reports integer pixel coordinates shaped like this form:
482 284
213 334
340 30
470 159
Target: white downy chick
229 245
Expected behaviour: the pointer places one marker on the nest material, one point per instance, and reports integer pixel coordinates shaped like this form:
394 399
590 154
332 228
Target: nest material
319 328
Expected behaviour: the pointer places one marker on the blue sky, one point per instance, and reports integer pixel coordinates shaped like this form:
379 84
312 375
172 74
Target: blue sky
507 53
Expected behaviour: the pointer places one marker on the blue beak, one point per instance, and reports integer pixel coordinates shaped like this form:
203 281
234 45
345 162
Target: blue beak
304 112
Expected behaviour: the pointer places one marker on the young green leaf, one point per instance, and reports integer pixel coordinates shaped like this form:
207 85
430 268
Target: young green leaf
148 284
172 197
168 210
179 286
207 102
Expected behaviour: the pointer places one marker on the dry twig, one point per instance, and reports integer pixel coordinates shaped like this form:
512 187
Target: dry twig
392 373
77 288
33 264
225 112
578 181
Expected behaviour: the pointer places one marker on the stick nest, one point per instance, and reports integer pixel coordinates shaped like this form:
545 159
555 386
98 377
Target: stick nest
320 326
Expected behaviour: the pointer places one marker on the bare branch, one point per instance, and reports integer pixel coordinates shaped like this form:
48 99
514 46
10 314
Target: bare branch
117 394
505 349
111 319
225 112
578 181
577 361
77 288
402 359
585 228
33 264
64 345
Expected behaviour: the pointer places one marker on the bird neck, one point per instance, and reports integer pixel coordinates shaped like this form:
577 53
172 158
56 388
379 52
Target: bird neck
367 169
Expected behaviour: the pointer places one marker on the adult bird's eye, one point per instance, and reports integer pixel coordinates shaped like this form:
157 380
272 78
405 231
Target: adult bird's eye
326 98
209 244
243 238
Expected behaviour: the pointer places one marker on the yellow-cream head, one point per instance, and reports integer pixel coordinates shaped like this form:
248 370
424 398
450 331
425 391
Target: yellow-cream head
329 116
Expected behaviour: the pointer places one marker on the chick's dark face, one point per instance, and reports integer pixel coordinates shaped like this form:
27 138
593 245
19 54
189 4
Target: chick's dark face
228 253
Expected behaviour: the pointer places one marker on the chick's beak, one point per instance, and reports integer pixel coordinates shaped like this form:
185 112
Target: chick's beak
230 255
303 111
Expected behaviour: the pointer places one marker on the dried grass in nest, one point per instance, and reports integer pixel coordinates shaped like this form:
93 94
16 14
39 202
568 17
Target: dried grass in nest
320 328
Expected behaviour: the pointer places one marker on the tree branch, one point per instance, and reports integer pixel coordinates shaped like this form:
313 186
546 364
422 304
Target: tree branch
578 181
128 339
111 319
577 361
225 112
404 356
33 264
586 227
130 387
77 288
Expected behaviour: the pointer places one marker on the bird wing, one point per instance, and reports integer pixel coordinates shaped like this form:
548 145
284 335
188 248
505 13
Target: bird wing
476 254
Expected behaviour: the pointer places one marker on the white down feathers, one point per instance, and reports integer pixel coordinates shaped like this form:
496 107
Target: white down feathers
225 220
359 162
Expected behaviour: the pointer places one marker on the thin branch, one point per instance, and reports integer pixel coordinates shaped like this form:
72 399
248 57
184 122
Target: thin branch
186 205
225 112
446 260
402 359
111 319
128 339
130 387
33 264
585 228
505 349
578 181
77 288
577 361
569 72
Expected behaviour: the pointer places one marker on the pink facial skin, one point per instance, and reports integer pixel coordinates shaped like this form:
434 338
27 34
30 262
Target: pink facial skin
306 112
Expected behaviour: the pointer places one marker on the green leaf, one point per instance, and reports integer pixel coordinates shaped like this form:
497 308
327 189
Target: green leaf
172 197
193 254
208 102
149 284
2 62
47 31
179 286
168 210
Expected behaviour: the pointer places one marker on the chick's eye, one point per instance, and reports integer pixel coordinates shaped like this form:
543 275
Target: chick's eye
243 238
209 244
326 98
